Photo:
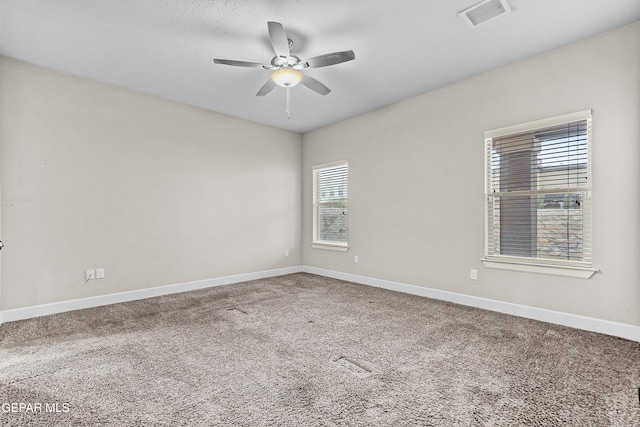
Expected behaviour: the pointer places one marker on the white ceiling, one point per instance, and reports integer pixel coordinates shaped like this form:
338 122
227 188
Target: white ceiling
403 48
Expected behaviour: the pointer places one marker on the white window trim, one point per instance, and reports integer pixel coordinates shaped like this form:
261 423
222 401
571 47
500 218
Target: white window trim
330 246
525 265
536 124
324 244
504 262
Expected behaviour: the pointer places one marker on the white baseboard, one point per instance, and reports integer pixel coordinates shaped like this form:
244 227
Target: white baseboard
622 330
78 304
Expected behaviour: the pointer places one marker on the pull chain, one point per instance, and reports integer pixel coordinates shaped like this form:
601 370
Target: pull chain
288 102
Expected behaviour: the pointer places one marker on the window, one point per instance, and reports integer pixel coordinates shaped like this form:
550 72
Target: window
330 211
538 196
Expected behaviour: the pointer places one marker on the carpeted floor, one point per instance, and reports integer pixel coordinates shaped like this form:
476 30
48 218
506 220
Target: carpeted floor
304 350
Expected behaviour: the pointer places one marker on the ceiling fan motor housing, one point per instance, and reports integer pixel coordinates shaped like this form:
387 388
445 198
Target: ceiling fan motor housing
285 62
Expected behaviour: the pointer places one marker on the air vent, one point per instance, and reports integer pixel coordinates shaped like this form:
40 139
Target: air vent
485 11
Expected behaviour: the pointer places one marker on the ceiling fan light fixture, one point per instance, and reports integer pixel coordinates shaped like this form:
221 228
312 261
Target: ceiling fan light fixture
286 77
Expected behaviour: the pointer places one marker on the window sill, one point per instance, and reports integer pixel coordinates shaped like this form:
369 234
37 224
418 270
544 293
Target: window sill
556 270
330 246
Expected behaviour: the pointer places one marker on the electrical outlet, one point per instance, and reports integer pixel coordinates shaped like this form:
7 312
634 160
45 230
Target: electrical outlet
474 275
286 253
99 273
356 260
91 274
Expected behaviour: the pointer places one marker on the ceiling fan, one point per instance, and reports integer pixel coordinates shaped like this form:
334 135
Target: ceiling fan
286 67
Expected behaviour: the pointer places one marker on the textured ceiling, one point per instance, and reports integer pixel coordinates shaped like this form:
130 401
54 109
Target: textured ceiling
403 48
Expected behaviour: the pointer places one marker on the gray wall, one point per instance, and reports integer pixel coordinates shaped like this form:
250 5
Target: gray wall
416 179
153 191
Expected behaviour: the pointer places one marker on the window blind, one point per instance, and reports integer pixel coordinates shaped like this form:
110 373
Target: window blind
538 192
330 203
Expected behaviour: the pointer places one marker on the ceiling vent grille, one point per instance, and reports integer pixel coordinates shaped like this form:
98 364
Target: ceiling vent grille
485 11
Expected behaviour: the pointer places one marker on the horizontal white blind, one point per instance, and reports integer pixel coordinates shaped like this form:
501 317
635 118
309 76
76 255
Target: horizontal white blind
539 193
330 190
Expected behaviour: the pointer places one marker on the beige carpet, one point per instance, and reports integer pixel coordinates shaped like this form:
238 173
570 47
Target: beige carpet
303 350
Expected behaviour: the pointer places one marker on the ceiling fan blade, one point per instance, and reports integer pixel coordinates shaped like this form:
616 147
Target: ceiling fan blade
315 85
241 63
266 88
279 39
329 59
